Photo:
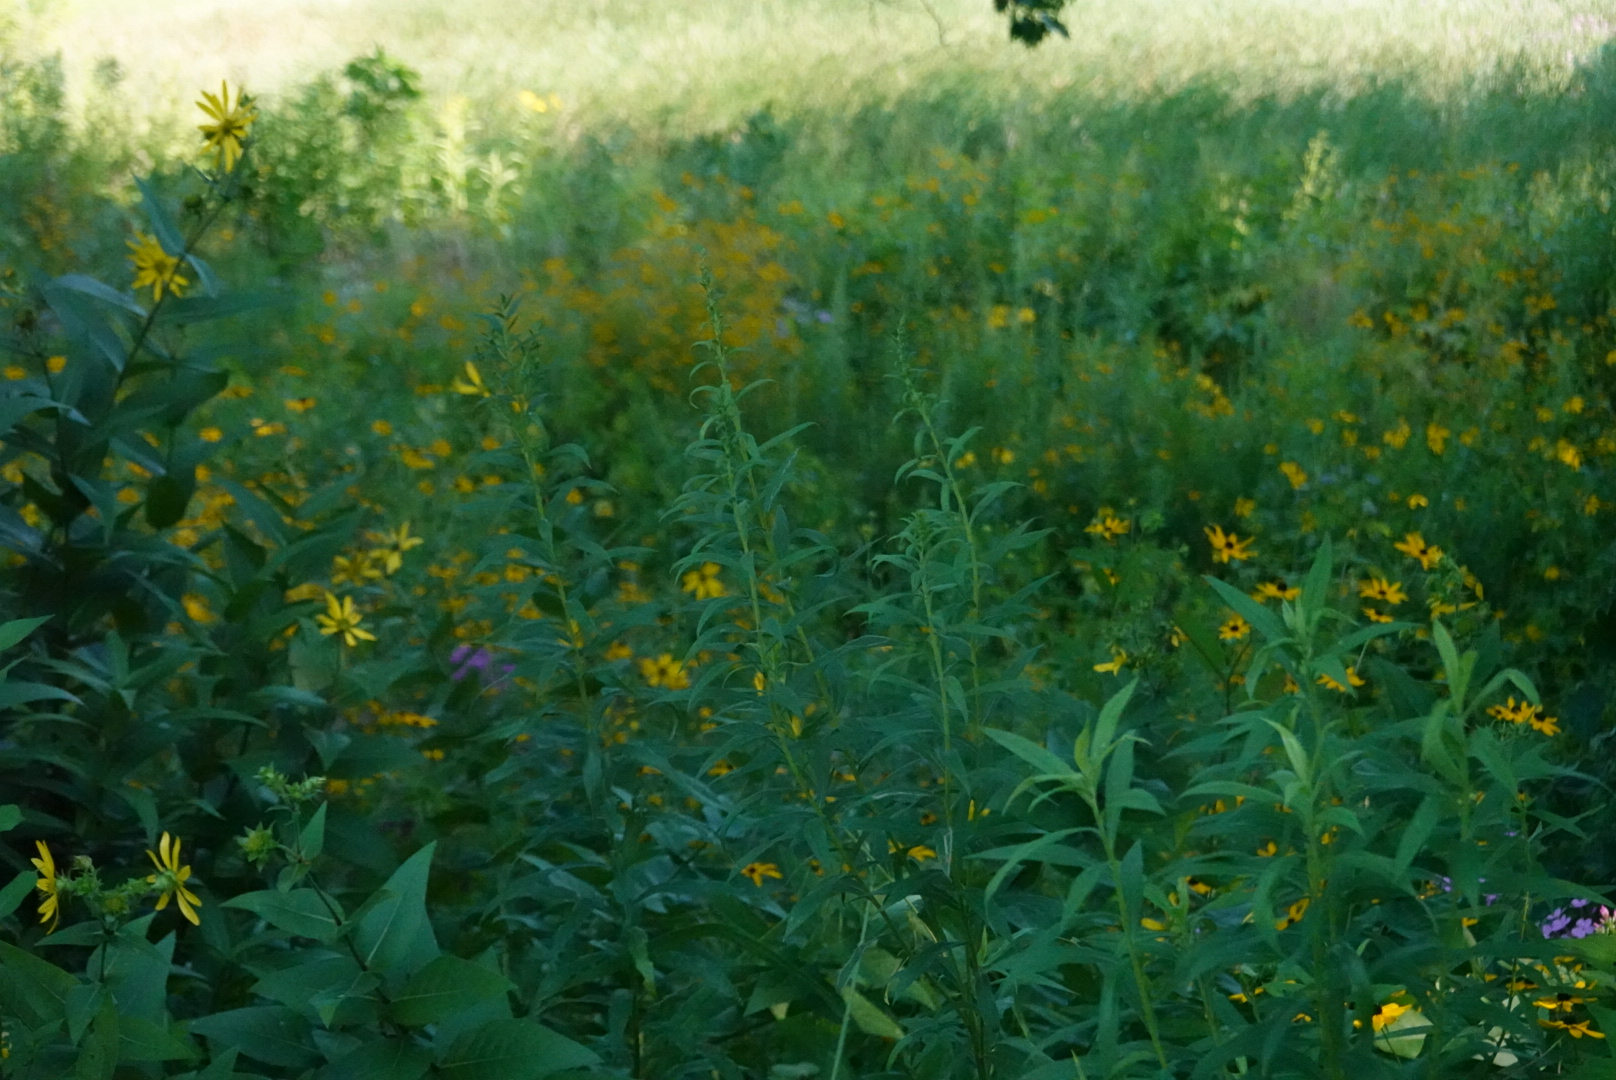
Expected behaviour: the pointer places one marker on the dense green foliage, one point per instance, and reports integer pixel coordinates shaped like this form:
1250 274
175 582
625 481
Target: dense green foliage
1093 590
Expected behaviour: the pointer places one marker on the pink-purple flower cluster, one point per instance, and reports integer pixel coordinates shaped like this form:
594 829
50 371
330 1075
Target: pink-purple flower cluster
1580 921
467 659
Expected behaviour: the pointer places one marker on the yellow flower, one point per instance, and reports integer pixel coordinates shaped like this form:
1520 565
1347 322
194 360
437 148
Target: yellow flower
665 671
1376 616
228 125
55 364
1436 437
1234 630
920 853
1352 677
155 267
703 583
1387 1013
1576 1030
472 384
1108 527
341 618
1293 472
1276 590
210 434
1380 589
354 571
1293 914
197 608
1568 454
1244 507
16 372
400 540
381 427
171 877
50 909
1414 546
1416 501
1546 725
1115 665
757 871
1227 547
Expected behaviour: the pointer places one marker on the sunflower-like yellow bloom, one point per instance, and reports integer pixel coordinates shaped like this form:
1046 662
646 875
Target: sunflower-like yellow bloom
156 268
341 617
472 385
226 130
171 877
50 909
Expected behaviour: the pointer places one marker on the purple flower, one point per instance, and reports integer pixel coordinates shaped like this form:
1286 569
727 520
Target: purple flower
476 659
1557 921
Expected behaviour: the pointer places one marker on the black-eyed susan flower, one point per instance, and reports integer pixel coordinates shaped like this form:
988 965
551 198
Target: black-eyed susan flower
1276 590
1234 630
341 617
757 871
1414 546
1378 588
1227 547
1293 914
155 268
50 909
1330 684
225 132
171 877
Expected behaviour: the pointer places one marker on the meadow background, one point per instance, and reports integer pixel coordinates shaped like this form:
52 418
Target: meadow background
753 539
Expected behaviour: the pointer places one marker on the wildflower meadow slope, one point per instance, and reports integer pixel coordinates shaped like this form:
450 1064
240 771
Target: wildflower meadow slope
951 587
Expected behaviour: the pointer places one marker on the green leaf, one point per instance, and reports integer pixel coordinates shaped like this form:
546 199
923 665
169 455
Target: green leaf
1105 728
10 818
195 309
13 694
444 987
163 226
870 1017
1318 581
384 1059
16 406
17 629
98 1054
167 497
89 286
1247 608
299 912
1417 833
32 989
395 938
271 1033
311 841
514 1050
142 1040
1028 751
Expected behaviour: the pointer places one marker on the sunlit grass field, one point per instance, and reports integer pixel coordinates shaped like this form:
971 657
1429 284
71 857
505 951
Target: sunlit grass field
691 66
702 466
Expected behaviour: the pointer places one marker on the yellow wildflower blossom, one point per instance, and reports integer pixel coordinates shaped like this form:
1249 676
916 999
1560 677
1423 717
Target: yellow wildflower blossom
341 617
155 268
171 877
225 133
